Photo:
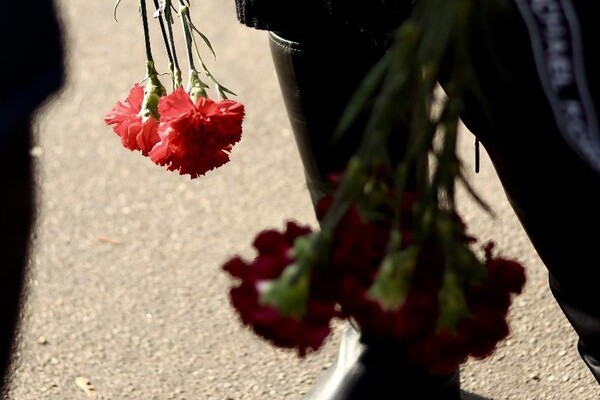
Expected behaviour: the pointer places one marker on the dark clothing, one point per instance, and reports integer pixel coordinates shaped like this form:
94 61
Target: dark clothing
357 20
552 189
32 68
32 64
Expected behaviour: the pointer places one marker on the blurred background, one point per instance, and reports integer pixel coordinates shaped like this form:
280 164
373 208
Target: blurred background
125 292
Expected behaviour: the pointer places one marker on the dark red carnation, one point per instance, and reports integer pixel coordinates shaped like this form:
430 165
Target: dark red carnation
415 318
478 334
358 249
304 334
508 274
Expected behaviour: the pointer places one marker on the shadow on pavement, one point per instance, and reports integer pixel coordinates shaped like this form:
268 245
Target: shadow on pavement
472 396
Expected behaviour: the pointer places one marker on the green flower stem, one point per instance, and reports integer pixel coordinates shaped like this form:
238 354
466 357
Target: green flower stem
222 91
401 91
196 86
167 33
447 168
146 30
187 34
163 30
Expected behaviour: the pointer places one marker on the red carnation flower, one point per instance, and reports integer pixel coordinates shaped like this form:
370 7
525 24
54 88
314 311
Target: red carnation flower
127 122
196 138
358 249
507 273
415 318
304 334
478 334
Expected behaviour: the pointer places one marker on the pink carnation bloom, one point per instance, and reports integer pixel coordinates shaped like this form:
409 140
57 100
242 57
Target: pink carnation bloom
126 121
196 137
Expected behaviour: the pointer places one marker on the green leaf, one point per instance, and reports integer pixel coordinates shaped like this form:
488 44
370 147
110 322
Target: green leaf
289 293
453 305
393 281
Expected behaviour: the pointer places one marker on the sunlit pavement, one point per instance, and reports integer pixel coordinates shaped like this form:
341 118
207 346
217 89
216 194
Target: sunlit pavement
126 296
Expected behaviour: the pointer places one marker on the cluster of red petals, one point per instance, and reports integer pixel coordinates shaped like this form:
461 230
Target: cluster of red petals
477 335
273 248
358 250
415 318
196 137
191 138
127 122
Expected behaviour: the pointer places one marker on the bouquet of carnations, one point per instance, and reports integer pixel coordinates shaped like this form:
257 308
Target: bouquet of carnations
391 254
184 130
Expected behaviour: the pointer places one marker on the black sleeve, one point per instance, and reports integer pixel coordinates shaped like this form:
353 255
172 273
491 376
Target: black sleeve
32 64
295 18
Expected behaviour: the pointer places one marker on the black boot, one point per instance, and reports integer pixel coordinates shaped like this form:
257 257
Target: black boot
315 90
376 371
317 78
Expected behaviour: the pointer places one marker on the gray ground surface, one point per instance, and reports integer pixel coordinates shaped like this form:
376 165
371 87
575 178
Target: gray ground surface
125 288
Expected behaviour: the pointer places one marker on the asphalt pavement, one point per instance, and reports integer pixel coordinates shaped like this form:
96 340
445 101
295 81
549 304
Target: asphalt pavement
125 293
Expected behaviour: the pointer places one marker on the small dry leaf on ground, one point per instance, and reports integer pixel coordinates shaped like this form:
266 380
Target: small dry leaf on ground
86 386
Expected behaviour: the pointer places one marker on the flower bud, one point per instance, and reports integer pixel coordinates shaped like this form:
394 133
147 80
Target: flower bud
196 88
453 305
288 293
393 279
153 91
467 265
